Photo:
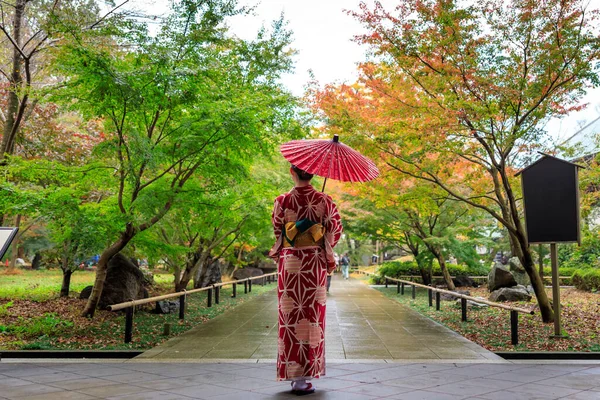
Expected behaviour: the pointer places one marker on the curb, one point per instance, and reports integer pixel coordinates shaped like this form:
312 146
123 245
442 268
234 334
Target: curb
548 355
70 354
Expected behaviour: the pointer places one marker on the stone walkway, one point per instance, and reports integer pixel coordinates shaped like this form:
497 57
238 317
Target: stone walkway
248 381
361 324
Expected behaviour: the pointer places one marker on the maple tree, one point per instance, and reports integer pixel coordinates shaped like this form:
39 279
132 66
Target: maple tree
457 95
189 103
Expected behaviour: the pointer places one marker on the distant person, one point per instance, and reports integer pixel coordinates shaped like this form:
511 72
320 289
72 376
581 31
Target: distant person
345 261
307 227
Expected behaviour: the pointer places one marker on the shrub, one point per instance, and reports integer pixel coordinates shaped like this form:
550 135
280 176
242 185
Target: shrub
395 269
587 279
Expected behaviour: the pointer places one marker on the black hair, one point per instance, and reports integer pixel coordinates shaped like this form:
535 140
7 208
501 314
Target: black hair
302 175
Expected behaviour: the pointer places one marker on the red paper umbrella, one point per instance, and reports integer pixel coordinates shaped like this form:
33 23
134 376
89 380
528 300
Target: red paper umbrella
330 159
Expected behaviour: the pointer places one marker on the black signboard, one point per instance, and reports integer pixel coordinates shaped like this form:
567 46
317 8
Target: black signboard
551 199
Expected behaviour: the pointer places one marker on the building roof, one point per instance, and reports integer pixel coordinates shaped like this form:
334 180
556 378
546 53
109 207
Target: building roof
545 156
585 140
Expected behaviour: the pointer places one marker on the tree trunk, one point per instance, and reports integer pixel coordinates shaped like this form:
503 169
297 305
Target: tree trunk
66 282
425 273
177 278
526 259
102 268
11 125
440 257
14 246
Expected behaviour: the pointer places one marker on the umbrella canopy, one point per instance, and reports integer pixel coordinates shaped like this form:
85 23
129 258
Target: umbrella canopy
330 159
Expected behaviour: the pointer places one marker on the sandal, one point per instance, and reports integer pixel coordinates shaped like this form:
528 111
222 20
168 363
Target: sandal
302 392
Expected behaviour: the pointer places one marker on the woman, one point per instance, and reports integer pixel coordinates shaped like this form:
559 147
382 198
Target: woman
307 227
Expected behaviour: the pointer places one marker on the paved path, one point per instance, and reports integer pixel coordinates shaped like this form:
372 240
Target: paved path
361 324
248 381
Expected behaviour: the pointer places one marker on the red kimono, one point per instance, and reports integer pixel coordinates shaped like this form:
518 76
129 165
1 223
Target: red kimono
302 279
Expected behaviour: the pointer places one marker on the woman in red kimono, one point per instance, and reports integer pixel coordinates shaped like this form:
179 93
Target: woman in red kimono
307 227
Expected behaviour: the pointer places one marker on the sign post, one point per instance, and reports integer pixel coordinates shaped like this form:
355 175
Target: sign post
555 291
551 204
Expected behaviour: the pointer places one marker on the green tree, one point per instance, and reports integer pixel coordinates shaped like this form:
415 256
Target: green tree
189 103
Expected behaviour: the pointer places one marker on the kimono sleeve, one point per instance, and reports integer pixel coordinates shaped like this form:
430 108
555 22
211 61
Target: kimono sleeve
277 219
333 231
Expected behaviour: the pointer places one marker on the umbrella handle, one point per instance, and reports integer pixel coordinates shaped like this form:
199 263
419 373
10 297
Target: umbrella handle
324 182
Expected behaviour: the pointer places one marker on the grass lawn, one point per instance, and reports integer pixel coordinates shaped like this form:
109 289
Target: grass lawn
490 327
33 317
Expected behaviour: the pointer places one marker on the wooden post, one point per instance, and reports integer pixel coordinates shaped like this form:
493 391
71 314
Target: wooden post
402 289
181 307
249 285
209 297
555 292
463 305
217 294
437 301
414 292
541 262
166 329
234 290
386 283
398 288
245 287
128 324
514 327
430 295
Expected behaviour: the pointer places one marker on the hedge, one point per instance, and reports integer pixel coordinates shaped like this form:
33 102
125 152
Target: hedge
396 269
587 279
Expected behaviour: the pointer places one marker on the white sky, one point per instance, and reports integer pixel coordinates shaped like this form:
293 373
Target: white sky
323 35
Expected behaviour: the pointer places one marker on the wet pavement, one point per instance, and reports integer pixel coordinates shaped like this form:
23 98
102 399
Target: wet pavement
362 324
137 379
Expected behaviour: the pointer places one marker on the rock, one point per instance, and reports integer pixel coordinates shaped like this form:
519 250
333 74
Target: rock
500 277
522 278
208 276
517 293
464 281
530 289
124 282
248 272
86 292
514 264
448 297
166 307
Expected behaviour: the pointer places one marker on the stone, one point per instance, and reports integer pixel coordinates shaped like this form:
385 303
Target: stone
500 277
464 281
521 278
517 293
86 293
124 282
248 272
209 275
514 264
166 307
448 297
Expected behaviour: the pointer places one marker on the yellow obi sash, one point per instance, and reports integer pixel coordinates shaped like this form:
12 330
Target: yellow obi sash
303 233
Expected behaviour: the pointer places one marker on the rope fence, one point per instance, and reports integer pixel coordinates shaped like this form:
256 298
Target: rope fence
514 311
129 306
